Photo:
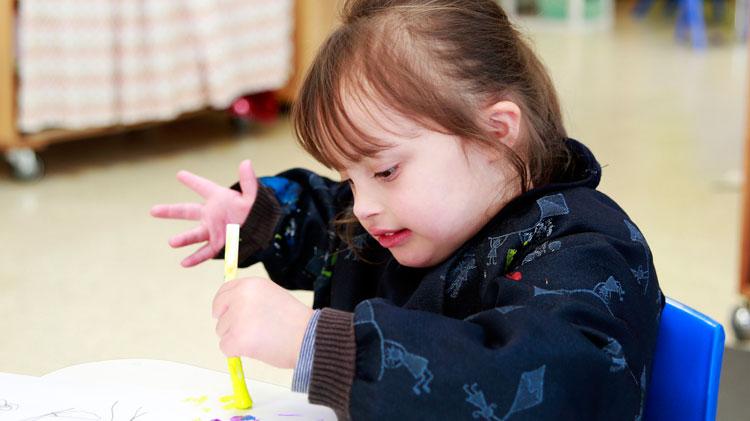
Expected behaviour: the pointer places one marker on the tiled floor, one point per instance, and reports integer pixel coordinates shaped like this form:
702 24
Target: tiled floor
86 274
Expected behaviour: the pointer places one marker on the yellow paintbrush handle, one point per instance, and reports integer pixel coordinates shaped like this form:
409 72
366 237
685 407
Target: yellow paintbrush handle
242 398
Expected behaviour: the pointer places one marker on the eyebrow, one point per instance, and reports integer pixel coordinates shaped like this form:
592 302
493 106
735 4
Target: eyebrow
379 154
373 156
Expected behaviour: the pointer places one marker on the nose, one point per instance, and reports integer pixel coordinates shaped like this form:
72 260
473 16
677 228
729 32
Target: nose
365 206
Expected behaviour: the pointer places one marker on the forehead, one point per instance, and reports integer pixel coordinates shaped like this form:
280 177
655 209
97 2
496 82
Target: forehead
377 119
367 128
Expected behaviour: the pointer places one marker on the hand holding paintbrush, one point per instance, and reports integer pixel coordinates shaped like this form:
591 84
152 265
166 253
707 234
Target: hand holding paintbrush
257 318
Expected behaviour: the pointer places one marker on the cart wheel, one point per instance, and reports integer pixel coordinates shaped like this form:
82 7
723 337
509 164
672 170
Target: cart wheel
240 125
741 322
25 164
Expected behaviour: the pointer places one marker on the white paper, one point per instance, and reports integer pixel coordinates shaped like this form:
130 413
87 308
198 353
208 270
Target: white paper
74 396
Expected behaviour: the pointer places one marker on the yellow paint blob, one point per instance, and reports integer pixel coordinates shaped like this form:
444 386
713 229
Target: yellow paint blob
197 400
228 401
242 399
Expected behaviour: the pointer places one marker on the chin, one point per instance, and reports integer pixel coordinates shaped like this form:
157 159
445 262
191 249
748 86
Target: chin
414 261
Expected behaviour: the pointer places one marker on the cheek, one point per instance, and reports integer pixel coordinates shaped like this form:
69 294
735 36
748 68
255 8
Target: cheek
438 223
436 209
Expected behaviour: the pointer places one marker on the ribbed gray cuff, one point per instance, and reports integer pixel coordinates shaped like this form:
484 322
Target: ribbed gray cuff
303 370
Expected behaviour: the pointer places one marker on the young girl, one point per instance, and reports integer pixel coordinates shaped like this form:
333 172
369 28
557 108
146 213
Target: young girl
465 266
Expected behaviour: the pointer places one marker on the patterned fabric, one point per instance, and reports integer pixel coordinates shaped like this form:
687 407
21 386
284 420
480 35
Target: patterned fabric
551 311
106 62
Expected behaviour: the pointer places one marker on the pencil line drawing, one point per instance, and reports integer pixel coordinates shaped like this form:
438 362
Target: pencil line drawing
73 414
6 406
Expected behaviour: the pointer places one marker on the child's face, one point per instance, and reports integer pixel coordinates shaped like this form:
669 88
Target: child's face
425 195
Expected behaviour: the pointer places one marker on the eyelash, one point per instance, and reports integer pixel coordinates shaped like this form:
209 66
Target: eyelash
387 175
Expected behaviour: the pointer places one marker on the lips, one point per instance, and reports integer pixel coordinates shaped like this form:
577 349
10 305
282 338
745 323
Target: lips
389 239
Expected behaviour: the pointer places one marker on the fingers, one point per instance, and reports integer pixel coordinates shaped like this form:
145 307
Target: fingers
222 325
198 184
195 235
229 345
190 211
234 342
248 180
221 299
223 313
204 253
227 342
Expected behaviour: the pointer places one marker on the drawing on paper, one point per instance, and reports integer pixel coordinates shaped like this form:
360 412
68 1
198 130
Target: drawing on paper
73 414
6 406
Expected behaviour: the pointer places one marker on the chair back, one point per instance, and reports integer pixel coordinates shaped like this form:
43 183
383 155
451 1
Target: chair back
686 367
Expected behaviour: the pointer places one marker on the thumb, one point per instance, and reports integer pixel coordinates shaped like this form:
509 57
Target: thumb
248 181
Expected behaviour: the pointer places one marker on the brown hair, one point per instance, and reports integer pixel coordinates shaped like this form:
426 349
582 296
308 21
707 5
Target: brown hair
437 62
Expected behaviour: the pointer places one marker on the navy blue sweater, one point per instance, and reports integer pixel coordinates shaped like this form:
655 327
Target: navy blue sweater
549 312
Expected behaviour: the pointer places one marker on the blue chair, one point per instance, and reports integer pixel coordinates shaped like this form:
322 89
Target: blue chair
687 366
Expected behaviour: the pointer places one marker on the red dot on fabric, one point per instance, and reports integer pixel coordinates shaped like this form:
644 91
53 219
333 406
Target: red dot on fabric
515 276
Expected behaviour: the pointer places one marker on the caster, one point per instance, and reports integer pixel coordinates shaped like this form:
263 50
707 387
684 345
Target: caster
25 164
240 126
249 110
741 322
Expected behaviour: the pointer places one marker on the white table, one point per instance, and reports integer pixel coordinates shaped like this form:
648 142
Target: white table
144 390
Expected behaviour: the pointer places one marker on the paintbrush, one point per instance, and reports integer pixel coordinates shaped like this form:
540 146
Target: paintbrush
242 398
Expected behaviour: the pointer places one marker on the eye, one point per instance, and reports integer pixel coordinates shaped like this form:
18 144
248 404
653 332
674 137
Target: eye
387 175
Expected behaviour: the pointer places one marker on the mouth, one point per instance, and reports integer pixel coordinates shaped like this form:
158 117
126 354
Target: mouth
389 239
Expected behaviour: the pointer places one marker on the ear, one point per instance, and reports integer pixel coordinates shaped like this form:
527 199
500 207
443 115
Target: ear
504 120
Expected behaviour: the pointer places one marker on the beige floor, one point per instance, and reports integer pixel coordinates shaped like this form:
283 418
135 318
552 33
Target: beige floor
86 274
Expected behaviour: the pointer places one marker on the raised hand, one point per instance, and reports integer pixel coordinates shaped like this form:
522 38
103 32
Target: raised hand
221 206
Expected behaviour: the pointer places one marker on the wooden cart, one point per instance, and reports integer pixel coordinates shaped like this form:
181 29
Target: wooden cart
313 21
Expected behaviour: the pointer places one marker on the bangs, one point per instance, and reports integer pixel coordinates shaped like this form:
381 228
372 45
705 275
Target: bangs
333 137
367 72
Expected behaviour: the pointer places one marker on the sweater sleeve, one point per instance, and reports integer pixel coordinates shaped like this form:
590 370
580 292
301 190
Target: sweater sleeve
257 230
290 228
566 335
333 369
